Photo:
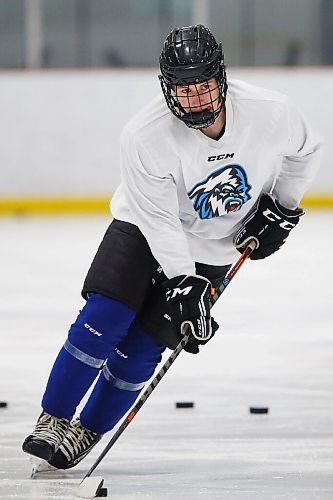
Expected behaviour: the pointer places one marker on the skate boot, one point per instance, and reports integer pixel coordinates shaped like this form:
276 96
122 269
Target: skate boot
47 436
78 442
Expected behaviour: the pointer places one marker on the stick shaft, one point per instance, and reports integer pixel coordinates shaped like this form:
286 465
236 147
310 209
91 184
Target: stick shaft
156 380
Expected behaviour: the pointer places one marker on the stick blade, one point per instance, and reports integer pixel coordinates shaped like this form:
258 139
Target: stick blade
90 487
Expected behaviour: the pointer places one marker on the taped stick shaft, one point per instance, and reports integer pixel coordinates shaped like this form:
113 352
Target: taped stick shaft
156 380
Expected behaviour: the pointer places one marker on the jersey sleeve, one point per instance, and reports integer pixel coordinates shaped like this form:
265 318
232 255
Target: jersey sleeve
300 162
153 202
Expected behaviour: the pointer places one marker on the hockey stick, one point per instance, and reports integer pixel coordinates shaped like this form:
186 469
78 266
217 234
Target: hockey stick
153 384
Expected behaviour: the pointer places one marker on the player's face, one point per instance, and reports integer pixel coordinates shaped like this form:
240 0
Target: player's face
199 97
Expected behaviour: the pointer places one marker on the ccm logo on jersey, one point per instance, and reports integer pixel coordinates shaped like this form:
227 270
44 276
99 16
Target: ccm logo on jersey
224 156
273 217
178 291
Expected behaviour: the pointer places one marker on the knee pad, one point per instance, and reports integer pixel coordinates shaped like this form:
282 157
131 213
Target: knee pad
99 327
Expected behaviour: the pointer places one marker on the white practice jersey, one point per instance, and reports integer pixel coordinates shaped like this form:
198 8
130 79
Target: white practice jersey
188 193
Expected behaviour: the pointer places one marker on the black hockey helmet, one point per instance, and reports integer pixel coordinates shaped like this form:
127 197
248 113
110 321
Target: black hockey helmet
191 56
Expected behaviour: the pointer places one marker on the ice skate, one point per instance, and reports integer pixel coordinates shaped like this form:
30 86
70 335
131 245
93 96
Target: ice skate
78 442
47 436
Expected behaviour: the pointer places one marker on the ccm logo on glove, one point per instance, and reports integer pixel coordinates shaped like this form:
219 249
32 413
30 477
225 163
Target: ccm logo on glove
269 225
273 217
178 291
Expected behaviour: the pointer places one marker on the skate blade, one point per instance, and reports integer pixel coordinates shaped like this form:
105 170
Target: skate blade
38 465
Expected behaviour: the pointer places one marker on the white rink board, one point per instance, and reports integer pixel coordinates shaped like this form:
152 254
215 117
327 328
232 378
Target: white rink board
275 349
60 129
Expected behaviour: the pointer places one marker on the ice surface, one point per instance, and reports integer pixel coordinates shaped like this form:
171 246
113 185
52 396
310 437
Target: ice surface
275 349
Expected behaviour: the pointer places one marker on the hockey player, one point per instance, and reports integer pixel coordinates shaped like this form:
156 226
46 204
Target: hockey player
205 167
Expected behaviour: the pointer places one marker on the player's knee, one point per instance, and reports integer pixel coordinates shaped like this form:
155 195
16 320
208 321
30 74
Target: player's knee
135 359
101 325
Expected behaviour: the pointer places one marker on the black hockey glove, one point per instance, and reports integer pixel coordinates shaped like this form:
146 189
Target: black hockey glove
189 304
269 225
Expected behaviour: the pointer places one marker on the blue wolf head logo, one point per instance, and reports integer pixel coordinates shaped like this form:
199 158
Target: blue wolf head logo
224 191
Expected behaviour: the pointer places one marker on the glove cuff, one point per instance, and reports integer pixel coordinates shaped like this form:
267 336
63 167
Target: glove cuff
288 212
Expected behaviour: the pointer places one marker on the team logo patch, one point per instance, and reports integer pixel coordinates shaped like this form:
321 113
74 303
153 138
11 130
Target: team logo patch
224 191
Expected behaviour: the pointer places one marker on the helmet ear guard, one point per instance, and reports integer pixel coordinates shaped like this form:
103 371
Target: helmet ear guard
191 56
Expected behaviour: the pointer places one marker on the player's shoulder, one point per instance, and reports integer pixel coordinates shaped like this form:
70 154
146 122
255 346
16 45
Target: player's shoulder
239 90
150 119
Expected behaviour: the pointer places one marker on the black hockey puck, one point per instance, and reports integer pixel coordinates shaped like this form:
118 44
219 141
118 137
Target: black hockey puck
259 409
103 492
184 404
3 404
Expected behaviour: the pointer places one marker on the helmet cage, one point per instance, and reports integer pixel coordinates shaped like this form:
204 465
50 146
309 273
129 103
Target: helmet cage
175 77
